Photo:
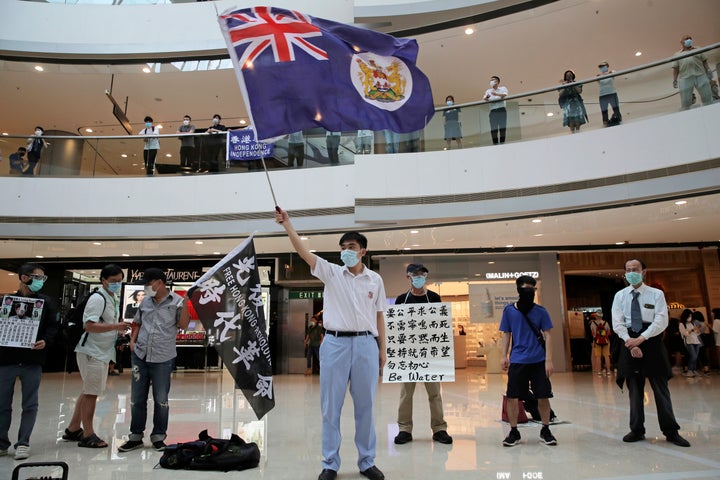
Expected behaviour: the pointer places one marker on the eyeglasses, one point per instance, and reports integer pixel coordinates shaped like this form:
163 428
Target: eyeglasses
418 274
35 276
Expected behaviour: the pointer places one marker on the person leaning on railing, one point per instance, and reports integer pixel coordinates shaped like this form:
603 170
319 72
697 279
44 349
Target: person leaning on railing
692 72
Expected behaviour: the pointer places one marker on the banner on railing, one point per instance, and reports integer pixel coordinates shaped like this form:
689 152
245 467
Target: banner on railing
241 145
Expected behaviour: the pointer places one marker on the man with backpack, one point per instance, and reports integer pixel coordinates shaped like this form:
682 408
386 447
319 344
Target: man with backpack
94 351
26 364
601 343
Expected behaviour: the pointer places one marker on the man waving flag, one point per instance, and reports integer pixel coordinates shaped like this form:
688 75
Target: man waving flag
298 72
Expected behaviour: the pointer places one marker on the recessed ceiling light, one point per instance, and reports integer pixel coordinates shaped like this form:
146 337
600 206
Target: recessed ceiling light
478 274
537 220
11 274
147 69
550 114
509 246
158 126
538 235
97 243
125 254
5 133
168 154
415 245
681 202
199 242
89 130
303 238
216 253
242 122
407 248
414 231
39 68
491 263
638 53
469 31
681 218
39 256
619 243
313 251
124 155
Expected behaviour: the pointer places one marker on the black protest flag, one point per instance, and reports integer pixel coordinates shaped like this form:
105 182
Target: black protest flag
228 300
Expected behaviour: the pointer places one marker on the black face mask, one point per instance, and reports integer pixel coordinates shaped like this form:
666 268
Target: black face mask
526 300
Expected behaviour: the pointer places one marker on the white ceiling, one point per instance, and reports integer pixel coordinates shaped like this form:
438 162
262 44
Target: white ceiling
529 50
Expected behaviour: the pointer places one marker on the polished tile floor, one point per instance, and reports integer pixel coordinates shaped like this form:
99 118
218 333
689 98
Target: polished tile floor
589 446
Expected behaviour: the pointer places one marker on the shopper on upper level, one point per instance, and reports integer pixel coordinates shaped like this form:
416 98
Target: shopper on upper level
453 127
152 145
608 95
498 115
691 72
570 100
35 146
215 143
187 144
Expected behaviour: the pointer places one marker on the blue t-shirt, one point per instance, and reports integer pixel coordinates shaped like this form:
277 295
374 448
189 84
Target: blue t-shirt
525 346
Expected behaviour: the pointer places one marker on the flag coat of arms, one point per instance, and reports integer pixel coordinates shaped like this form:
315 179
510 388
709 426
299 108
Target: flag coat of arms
298 72
228 301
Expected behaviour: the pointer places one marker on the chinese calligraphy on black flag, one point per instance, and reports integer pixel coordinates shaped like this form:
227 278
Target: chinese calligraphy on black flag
228 300
419 342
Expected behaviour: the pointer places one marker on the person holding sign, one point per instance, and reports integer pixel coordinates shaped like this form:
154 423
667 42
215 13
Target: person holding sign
25 363
418 293
529 363
353 348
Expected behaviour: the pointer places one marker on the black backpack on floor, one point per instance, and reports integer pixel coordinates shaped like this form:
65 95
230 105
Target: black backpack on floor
207 453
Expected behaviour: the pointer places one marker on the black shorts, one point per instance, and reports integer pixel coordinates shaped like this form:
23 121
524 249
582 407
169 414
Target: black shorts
523 375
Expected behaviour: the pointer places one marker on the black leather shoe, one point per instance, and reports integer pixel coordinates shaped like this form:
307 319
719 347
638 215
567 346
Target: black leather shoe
327 474
442 437
633 437
373 473
677 440
403 437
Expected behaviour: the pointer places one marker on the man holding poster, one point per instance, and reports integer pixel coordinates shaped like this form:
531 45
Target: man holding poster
25 363
353 348
418 293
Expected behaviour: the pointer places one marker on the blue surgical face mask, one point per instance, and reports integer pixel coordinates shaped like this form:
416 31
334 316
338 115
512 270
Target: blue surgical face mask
114 287
349 258
36 285
688 43
604 69
148 124
449 102
633 278
418 282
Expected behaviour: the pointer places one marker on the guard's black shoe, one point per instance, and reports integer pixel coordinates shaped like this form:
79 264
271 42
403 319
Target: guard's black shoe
677 440
512 439
633 437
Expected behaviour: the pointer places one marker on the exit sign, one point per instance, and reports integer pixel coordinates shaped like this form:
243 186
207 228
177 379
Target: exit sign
311 295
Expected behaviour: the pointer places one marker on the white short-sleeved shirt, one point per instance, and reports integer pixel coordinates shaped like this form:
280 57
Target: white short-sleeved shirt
350 302
492 97
100 345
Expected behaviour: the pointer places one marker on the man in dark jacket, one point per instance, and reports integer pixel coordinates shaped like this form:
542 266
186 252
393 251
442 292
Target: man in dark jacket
26 363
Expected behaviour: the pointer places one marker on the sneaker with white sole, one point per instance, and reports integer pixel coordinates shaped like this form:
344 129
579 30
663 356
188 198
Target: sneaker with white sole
22 452
512 439
547 437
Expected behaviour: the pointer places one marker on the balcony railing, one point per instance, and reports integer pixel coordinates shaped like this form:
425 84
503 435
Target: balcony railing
643 92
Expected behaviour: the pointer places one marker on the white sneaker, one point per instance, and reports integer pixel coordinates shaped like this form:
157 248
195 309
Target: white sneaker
22 452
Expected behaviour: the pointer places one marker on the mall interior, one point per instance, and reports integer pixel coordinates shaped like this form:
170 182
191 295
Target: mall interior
568 208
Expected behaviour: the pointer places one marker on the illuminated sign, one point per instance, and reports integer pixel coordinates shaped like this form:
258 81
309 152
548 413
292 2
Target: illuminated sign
510 275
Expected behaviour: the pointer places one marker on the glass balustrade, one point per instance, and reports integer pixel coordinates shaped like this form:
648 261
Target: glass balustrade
643 92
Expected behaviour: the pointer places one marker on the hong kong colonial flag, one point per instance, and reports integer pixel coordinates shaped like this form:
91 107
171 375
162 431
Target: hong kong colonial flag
228 300
298 72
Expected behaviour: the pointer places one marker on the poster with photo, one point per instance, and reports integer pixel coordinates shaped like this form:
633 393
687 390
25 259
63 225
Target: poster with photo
132 297
20 321
488 300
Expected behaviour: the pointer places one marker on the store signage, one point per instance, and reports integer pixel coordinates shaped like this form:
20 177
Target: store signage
171 274
310 295
509 275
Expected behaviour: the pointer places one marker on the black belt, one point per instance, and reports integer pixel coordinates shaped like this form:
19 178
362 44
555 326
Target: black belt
348 334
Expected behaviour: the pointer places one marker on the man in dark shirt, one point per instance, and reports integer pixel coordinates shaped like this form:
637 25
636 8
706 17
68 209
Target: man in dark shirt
217 132
418 293
26 364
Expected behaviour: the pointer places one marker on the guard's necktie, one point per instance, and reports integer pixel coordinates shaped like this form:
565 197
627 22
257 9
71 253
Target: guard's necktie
635 313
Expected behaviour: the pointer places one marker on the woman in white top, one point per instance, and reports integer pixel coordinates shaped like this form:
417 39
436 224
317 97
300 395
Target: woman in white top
692 341
152 145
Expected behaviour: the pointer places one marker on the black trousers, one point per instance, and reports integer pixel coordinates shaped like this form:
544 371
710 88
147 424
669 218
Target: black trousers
149 157
186 154
498 122
296 151
663 403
